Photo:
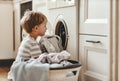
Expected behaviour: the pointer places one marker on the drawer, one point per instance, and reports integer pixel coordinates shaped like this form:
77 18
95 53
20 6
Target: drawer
93 51
94 41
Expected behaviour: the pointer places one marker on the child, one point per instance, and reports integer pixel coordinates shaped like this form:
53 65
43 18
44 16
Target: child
34 23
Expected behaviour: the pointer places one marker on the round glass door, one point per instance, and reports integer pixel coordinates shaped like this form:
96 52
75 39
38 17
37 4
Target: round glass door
61 30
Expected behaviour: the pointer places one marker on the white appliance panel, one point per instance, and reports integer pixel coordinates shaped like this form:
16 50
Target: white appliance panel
70 18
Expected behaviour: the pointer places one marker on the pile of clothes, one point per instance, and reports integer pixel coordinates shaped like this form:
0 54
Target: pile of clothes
54 57
53 53
51 44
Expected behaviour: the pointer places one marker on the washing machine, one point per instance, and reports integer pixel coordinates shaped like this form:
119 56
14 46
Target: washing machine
64 21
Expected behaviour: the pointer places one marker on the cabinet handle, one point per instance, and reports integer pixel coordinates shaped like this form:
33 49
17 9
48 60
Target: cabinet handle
91 41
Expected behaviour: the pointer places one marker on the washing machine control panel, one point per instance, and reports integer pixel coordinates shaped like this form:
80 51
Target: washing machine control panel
60 3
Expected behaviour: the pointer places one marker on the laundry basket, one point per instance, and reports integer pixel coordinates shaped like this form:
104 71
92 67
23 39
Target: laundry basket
68 73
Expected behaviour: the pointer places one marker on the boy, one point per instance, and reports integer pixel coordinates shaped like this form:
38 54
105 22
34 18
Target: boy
34 23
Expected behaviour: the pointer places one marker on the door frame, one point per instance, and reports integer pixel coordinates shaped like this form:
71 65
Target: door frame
114 40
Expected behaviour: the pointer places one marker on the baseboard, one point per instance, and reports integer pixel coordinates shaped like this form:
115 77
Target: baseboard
7 62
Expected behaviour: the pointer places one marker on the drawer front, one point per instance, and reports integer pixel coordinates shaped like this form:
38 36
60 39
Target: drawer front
94 41
94 56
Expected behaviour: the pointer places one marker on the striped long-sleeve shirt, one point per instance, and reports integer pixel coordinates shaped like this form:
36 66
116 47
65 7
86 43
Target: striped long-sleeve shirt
29 48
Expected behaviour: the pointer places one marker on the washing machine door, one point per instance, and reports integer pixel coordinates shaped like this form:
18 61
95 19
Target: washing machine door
61 30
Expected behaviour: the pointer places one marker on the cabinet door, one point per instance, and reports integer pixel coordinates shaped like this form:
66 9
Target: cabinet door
94 17
94 58
6 30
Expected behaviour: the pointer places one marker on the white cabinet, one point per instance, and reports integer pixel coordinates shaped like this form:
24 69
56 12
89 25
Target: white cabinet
94 57
94 31
7 37
94 17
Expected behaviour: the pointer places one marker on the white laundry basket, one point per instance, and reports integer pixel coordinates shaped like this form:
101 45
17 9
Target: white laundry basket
64 74
67 73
